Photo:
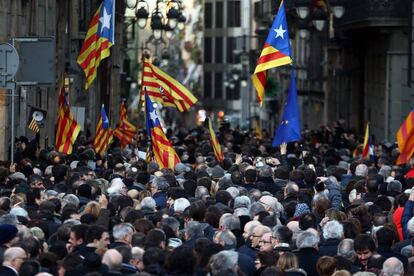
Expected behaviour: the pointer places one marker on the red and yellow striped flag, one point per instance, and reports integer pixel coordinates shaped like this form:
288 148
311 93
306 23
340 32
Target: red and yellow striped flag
164 153
125 131
365 147
405 139
103 136
33 126
276 52
67 129
164 89
98 40
215 143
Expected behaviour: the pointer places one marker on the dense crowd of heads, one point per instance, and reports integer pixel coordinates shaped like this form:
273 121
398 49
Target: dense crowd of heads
312 207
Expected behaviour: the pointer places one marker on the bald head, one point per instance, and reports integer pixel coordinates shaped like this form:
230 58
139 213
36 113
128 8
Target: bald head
113 259
392 267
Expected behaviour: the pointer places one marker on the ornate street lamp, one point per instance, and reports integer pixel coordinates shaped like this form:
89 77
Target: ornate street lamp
142 14
337 7
156 24
181 21
303 8
131 4
303 29
174 14
319 19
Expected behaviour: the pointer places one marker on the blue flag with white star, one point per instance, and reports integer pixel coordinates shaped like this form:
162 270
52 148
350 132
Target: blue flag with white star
105 119
151 115
278 36
276 52
289 128
106 25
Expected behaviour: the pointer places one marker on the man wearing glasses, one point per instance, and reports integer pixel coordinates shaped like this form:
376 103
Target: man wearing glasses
266 242
12 260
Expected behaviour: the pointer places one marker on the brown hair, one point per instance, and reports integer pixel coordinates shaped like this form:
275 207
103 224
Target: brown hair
287 261
326 265
321 205
341 273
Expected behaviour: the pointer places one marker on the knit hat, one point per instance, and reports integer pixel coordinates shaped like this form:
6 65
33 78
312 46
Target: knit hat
8 232
21 188
301 208
343 165
361 170
18 176
180 168
217 172
394 186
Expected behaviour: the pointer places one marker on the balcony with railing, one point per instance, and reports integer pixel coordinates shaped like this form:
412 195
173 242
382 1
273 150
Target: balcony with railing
374 13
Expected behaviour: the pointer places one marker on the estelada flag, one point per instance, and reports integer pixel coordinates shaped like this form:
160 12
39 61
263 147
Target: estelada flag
276 52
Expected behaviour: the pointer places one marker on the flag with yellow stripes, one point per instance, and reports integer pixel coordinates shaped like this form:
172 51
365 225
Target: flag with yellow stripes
103 136
125 131
67 128
33 126
276 52
215 143
163 151
164 89
98 40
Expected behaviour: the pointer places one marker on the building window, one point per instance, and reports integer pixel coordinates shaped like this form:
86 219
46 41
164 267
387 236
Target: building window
219 14
218 85
207 50
207 84
219 50
231 45
234 14
208 15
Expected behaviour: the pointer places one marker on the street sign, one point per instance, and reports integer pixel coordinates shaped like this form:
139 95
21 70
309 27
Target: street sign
9 63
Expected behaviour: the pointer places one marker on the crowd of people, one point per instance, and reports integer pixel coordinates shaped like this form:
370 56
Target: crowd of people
312 207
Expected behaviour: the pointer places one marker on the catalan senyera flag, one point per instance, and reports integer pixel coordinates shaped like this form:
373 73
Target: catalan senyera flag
405 139
125 131
98 40
163 151
103 136
67 129
257 129
276 52
367 148
164 89
215 143
33 126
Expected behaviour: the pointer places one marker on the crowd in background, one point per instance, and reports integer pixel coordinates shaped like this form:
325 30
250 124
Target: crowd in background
311 207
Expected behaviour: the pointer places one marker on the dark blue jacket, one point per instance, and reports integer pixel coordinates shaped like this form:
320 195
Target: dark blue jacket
406 216
160 200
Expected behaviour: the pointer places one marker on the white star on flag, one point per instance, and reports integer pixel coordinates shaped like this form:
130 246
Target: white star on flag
280 32
105 20
153 116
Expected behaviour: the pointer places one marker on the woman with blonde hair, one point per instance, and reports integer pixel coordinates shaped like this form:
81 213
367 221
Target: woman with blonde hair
288 262
92 208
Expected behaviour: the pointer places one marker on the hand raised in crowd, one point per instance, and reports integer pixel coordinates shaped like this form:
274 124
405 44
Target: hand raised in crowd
283 148
103 201
411 198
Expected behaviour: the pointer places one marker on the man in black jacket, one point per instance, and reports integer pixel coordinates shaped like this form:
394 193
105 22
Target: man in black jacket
12 260
307 253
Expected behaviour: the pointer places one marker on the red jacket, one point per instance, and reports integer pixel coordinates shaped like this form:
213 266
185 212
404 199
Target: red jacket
396 217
